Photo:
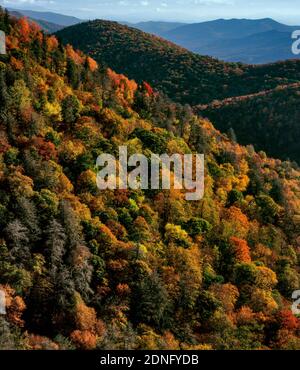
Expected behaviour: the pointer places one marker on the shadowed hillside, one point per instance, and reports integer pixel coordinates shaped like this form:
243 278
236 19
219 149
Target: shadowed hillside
269 120
182 75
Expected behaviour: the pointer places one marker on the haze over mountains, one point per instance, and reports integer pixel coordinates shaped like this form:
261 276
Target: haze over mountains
252 41
48 21
155 27
259 48
56 18
48 27
234 40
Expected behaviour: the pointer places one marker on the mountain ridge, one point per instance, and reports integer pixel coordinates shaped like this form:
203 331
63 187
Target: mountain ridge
48 27
183 75
273 127
196 80
52 17
259 48
155 27
227 39
217 38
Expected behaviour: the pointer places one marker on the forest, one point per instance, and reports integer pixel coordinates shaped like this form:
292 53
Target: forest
185 77
272 126
132 269
258 102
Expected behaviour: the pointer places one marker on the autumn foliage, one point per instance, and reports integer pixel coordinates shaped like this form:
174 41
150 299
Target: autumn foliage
241 249
133 269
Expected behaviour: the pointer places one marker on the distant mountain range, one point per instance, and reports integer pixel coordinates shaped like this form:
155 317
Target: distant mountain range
46 26
249 41
48 21
234 40
258 48
156 28
56 18
194 36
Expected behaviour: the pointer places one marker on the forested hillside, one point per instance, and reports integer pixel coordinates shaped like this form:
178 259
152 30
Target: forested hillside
86 269
183 76
269 120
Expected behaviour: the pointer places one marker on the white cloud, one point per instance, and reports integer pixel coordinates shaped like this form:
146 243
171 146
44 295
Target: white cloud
24 2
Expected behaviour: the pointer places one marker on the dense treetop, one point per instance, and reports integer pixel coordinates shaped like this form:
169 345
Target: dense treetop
184 76
269 120
83 268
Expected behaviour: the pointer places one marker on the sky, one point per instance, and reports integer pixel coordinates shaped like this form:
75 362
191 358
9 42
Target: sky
287 11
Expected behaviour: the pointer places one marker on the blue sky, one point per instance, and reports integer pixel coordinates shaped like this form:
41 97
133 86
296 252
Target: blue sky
287 11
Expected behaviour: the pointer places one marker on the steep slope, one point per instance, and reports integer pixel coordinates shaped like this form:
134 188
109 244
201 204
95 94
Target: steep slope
48 27
135 269
197 35
273 126
182 75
